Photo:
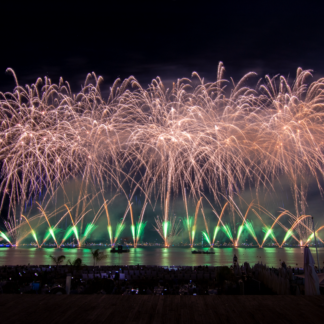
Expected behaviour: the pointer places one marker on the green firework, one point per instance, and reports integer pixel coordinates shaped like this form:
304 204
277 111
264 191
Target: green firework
34 235
5 237
239 232
165 226
75 231
206 237
217 228
119 228
89 228
67 235
187 223
268 232
139 230
193 234
110 233
133 232
288 234
310 237
249 227
51 232
227 230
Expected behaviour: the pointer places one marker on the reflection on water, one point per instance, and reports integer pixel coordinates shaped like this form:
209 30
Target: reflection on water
162 256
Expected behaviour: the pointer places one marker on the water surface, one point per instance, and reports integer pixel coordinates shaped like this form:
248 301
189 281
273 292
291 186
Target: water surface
293 256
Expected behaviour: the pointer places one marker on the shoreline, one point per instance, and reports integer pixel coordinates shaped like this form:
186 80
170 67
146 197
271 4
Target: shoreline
153 246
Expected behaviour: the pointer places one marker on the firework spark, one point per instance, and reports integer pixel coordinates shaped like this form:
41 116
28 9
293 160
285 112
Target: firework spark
195 135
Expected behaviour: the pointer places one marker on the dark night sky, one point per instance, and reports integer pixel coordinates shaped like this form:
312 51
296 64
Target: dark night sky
170 39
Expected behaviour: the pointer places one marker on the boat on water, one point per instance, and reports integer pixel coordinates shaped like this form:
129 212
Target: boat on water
120 249
209 252
203 252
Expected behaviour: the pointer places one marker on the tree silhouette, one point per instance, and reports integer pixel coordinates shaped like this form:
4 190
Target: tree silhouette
58 260
97 256
77 263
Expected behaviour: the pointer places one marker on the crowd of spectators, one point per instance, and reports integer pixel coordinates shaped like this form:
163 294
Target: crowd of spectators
127 280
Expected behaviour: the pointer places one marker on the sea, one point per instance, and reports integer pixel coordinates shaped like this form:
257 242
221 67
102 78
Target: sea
172 256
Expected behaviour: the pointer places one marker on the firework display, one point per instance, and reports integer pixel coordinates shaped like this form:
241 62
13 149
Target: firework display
195 137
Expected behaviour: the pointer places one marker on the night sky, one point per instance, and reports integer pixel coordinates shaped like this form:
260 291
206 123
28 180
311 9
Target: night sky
170 39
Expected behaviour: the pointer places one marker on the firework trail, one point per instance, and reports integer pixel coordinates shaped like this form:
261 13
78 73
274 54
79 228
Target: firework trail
220 135
170 230
140 225
31 229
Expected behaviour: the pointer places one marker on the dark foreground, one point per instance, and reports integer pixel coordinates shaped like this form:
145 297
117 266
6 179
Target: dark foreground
151 280
160 309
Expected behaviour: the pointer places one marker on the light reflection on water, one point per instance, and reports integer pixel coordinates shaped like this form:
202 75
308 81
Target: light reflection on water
162 256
